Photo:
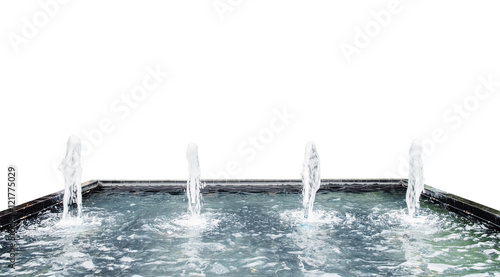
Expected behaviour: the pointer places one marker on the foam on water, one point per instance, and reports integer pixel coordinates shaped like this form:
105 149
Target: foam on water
316 218
52 226
189 226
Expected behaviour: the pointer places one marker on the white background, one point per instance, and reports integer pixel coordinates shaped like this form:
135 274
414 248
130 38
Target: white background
230 72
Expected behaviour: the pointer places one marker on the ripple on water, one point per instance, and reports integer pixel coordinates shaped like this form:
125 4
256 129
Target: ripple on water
365 234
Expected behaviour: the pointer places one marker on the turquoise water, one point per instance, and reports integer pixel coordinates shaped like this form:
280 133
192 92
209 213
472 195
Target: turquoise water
261 234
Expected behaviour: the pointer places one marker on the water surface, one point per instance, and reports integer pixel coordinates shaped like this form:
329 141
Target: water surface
260 234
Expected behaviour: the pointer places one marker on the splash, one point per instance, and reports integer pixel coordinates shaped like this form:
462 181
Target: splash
72 171
193 183
310 178
415 179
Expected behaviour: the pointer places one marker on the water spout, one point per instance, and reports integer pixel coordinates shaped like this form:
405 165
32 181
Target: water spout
415 179
72 171
310 178
193 183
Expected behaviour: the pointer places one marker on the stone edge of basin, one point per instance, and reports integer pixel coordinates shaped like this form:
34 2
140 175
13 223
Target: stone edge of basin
488 216
34 207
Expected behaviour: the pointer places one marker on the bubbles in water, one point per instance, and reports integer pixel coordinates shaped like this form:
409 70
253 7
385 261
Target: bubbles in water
415 179
310 178
187 226
199 223
316 218
72 171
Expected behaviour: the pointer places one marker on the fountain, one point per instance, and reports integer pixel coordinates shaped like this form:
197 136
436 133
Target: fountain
251 227
193 183
415 179
72 171
310 178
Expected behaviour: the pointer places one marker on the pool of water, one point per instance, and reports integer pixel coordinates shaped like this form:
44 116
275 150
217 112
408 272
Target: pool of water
255 234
